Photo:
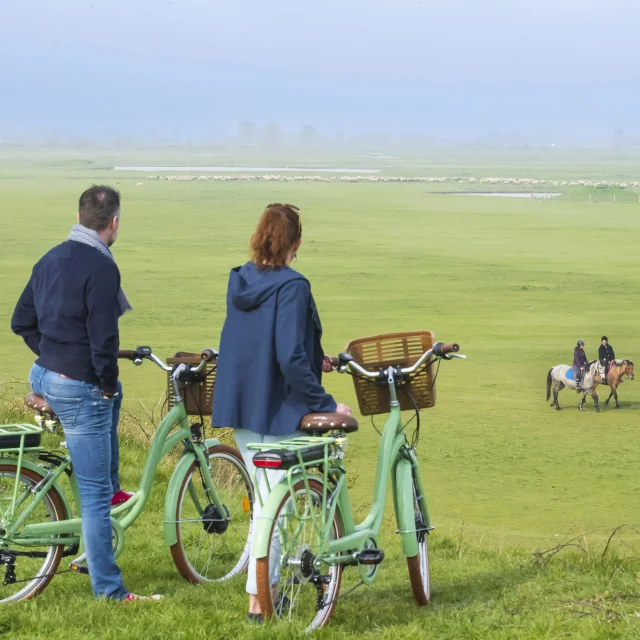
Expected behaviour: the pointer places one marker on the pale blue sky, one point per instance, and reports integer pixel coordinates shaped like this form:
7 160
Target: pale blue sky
197 67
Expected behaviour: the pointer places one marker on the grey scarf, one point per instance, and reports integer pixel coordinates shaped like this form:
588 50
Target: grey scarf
82 234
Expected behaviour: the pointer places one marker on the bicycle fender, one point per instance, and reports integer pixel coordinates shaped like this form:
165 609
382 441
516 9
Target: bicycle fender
405 515
26 464
173 491
262 528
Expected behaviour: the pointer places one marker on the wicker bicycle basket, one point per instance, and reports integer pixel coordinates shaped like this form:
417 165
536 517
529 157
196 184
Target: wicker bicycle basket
397 350
197 395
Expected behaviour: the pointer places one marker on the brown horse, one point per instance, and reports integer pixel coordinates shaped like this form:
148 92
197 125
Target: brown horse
617 370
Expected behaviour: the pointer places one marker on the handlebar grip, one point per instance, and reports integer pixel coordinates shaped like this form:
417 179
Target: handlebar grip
127 354
443 349
209 355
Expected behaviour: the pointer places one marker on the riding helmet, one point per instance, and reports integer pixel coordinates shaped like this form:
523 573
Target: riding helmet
604 338
580 342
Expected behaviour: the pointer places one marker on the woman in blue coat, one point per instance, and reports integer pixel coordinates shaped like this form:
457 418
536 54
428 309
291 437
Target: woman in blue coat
271 359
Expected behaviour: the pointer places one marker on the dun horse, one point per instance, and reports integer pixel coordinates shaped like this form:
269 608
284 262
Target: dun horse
557 377
617 370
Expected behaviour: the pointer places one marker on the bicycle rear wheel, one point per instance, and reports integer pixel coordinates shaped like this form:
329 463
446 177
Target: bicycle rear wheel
419 573
25 577
307 593
212 547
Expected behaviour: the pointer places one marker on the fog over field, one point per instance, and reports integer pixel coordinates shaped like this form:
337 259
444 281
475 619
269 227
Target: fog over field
561 71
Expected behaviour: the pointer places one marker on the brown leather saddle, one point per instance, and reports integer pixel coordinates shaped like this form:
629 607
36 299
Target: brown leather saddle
318 423
39 404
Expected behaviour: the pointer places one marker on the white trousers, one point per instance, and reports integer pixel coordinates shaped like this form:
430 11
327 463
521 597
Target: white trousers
243 438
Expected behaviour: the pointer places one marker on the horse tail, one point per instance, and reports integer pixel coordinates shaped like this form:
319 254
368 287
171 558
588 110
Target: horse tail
549 382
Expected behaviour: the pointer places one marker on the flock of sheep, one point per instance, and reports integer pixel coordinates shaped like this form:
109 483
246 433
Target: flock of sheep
493 181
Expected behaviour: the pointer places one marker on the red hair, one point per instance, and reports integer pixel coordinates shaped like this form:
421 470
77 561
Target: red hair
277 233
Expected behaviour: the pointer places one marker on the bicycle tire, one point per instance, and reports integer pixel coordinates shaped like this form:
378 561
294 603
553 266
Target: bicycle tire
418 565
43 576
267 606
191 569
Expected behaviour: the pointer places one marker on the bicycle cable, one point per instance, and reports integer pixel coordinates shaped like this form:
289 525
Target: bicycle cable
344 595
46 575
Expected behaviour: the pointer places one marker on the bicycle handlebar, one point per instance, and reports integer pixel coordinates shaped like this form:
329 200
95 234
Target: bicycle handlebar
146 353
209 355
444 351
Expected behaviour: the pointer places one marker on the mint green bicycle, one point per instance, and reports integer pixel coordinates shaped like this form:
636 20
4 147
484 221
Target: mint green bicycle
208 504
306 526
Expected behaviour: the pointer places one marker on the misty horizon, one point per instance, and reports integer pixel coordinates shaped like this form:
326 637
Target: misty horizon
190 70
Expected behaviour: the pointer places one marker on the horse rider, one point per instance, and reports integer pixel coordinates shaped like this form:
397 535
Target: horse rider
605 353
580 362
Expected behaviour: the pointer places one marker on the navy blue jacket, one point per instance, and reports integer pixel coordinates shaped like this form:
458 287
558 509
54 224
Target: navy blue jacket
270 365
580 361
68 314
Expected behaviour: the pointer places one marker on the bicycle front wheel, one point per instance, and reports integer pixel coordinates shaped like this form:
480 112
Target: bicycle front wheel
419 573
307 591
213 546
27 569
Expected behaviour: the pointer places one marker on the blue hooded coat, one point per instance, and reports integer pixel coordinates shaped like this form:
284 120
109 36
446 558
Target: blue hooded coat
270 365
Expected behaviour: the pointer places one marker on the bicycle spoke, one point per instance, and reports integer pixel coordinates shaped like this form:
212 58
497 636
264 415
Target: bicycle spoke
24 576
303 583
213 545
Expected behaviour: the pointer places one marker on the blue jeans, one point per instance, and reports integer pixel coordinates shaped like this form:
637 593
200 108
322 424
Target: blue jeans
88 423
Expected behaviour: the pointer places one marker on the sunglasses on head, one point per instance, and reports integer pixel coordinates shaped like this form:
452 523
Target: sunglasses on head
291 207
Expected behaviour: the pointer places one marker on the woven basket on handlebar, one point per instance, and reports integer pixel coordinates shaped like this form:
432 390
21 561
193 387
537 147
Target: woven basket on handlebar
394 349
198 396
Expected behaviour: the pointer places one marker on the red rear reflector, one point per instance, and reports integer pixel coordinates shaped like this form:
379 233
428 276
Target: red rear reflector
267 463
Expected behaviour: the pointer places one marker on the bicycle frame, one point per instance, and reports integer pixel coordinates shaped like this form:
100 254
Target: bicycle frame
173 429
395 458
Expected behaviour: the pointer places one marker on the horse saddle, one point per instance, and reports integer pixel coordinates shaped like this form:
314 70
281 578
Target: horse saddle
570 375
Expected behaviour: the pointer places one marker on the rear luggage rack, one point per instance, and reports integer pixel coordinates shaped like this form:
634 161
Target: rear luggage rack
18 437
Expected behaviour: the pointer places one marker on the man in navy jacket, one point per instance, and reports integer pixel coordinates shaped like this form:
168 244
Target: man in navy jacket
68 316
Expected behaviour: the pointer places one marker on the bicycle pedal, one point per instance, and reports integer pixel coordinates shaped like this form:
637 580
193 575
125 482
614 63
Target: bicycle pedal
79 568
370 556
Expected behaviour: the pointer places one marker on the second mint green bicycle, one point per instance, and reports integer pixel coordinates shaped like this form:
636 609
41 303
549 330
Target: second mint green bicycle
208 505
307 527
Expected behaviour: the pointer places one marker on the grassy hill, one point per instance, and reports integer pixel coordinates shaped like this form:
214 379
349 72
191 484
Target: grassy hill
516 282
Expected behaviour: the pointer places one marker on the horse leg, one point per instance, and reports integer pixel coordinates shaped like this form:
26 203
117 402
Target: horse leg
557 387
594 395
614 391
555 400
584 395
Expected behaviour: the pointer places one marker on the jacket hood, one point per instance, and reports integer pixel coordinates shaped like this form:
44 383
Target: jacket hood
249 288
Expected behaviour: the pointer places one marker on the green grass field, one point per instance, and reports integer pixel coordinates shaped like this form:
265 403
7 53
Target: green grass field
516 282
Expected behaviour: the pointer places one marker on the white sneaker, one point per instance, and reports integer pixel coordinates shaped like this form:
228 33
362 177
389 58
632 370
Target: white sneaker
132 597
